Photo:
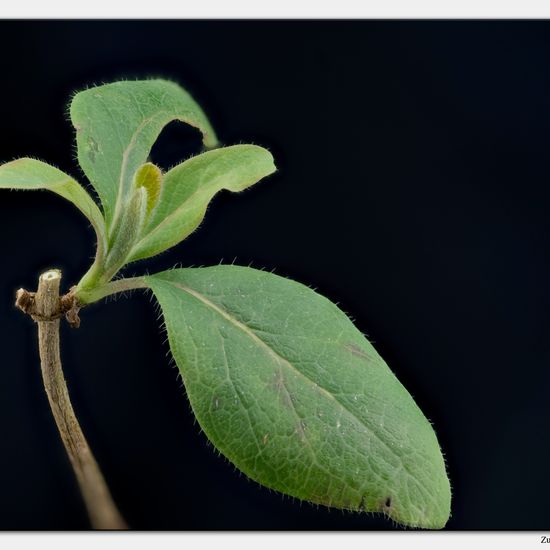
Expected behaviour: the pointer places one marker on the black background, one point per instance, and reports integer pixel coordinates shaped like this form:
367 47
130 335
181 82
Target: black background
413 189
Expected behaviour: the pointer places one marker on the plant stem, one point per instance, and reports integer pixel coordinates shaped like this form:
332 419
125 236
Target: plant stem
120 285
102 510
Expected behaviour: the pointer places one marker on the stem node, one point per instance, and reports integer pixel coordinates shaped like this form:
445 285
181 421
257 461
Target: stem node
67 305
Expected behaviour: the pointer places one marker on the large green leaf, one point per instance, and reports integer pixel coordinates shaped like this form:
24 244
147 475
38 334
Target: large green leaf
118 123
294 395
27 173
187 189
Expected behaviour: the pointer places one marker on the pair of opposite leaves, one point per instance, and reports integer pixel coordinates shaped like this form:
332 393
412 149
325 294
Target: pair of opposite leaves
279 378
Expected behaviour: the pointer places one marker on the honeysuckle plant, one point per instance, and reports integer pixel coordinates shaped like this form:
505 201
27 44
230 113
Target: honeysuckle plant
280 380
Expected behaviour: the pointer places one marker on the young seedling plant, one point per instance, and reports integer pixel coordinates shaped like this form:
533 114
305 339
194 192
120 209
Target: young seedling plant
278 377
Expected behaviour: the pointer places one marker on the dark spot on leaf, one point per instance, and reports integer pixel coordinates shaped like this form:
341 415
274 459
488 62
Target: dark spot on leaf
387 503
363 504
358 352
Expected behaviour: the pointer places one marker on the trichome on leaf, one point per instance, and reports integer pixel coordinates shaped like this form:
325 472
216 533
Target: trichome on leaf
279 378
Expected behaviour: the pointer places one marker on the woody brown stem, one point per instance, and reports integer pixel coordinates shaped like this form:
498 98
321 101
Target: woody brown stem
46 307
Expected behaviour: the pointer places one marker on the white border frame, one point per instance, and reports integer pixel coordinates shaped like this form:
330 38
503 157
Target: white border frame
279 9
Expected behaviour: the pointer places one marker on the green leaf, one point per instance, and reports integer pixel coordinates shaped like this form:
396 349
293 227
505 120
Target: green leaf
27 174
126 232
286 387
189 187
149 176
118 123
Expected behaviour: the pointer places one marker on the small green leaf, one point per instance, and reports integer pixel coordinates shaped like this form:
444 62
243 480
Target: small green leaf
295 396
126 232
118 123
27 173
189 187
149 176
